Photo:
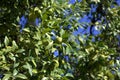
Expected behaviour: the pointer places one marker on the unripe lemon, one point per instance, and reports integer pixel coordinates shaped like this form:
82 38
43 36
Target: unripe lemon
59 39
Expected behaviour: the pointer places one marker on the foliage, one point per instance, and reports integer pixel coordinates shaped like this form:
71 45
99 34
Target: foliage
27 51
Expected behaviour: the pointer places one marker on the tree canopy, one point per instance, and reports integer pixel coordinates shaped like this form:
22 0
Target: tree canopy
38 40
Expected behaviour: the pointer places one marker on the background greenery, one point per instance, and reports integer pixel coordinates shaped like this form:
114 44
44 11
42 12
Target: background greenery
27 50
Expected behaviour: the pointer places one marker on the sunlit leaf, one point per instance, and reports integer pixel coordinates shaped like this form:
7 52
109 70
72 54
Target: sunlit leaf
6 77
14 45
22 76
6 41
69 75
29 67
15 72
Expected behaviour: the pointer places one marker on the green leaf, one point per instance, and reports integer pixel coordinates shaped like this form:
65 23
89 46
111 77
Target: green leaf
118 73
20 51
37 10
69 49
29 67
8 49
22 76
53 49
86 50
14 45
49 45
81 40
33 61
12 57
26 30
6 77
62 32
69 75
16 65
6 41
15 72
